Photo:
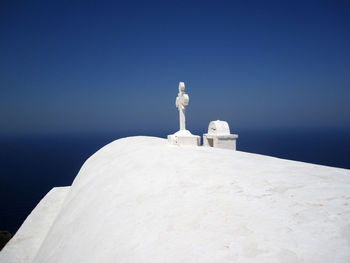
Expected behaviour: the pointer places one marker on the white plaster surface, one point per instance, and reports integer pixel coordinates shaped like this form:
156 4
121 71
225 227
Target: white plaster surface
139 199
23 247
184 138
218 128
219 136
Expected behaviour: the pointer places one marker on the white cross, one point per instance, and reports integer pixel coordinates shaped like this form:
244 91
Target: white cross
181 103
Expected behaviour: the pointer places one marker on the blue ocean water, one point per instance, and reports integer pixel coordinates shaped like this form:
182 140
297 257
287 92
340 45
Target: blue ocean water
31 165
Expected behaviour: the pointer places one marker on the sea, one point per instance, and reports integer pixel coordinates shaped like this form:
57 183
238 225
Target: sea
31 165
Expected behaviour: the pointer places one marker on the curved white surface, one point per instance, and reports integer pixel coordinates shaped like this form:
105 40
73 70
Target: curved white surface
23 247
139 199
218 128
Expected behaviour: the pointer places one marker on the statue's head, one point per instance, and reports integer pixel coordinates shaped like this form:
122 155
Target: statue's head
181 87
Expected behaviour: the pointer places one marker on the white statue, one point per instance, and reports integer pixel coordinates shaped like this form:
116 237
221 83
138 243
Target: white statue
183 136
182 101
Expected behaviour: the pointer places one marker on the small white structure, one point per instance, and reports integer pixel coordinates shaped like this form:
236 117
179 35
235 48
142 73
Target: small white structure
219 136
183 136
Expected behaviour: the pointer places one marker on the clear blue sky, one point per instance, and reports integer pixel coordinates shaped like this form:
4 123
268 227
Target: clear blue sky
94 66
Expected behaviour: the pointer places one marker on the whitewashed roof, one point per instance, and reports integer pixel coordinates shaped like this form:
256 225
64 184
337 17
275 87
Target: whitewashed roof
139 199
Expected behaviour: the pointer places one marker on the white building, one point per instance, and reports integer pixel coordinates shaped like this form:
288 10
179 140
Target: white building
139 199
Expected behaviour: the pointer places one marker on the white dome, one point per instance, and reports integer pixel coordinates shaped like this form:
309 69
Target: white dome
139 199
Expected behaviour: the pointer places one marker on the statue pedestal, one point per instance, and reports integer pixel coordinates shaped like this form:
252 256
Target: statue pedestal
184 138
